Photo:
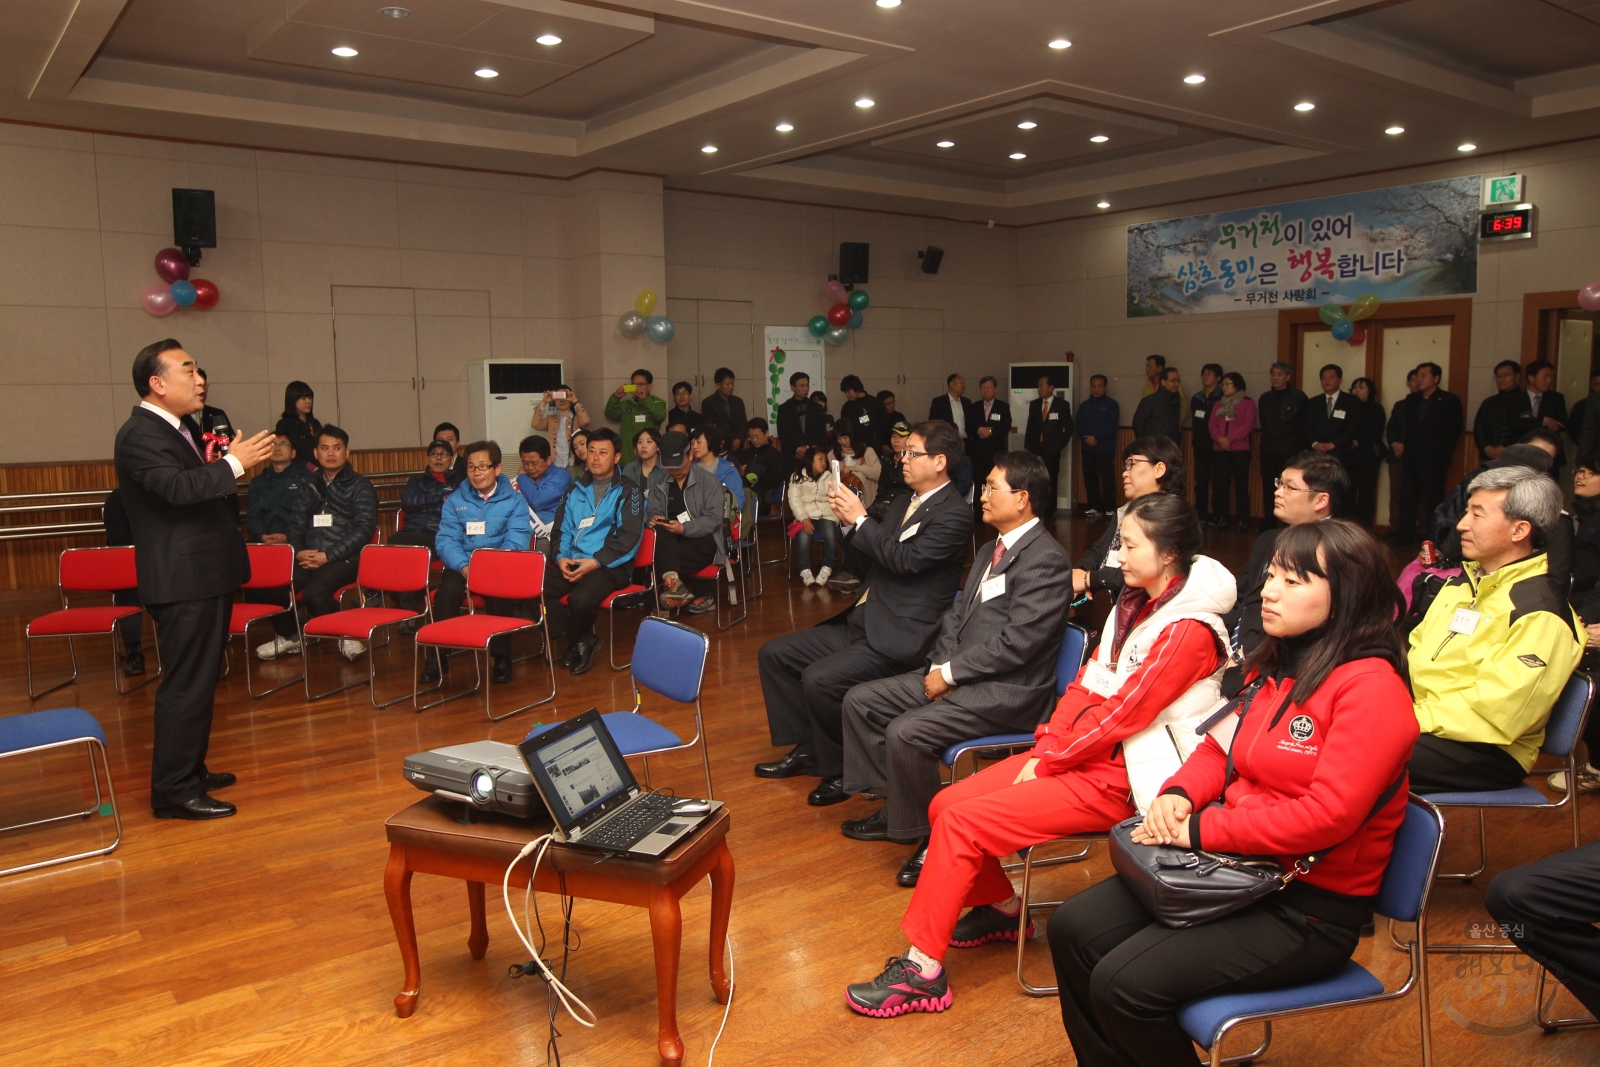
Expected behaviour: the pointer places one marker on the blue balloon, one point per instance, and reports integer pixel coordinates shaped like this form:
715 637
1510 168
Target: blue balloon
183 293
660 328
855 320
1341 329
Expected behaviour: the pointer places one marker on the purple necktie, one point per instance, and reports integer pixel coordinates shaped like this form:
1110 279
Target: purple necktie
999 551
185 431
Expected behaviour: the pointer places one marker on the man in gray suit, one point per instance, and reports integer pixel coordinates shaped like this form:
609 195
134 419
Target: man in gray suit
992 671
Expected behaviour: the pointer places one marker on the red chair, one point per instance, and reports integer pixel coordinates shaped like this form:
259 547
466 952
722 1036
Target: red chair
383 569
271 567
646 558
738 585
497 573
89 570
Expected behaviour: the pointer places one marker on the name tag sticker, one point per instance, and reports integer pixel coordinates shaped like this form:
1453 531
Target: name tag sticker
476 529
322 520
584 524
1054 416
684 516
1100 679
1464 621
995 417
910 531
992 588
865 418
638 418
1199 413
1339 413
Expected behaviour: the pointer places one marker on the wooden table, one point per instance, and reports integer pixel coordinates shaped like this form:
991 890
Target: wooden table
426 837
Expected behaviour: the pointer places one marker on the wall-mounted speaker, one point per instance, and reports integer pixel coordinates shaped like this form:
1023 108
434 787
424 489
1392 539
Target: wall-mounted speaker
931 259
194 221
853 262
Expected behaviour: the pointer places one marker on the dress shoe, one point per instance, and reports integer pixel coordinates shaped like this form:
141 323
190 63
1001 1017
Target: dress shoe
570 656
133 664
584 660
502 670
430 671
911 870
219 780
795 764
200 807
828 791
874 827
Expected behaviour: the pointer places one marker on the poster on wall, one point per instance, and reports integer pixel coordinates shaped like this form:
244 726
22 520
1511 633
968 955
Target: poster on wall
789 349
1406 241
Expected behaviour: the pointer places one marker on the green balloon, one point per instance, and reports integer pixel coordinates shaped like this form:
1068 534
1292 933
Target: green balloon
818 325
1331 313
859 299
779 356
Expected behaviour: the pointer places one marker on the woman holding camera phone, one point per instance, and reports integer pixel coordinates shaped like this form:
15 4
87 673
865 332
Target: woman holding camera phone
560 415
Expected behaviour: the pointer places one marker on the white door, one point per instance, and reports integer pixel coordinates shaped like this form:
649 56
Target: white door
452 330
375 366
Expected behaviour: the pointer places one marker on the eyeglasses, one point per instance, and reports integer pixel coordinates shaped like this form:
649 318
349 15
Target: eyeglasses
1131 460
907 453
479 468
987 489
1278 483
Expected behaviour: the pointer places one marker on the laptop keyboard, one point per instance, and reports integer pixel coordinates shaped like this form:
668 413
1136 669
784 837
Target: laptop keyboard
626 827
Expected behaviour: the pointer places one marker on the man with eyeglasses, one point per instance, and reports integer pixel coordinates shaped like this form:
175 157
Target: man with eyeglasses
485 511
914 557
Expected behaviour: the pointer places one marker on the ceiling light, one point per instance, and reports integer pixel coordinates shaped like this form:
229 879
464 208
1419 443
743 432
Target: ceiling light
945 144
888 3
345 53
395 12
709 149
1194 79
487 72
1019 155
1304 105
547 39
1103 204
1393 130
1099 138
865 101
1059 43
1026 125
783 127
1468 147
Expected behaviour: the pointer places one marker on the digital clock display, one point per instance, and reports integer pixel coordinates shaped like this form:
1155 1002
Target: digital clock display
1507 224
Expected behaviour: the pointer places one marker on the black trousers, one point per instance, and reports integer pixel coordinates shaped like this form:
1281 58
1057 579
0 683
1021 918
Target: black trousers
804 677
424 539
1421 490
131 629
317 583
1230 470
1123 975
576 617
1549 909
1363 506
191 635
1204 478
1097 480
1439 765
684 556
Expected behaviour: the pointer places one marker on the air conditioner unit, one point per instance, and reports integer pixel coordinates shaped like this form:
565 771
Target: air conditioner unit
502 396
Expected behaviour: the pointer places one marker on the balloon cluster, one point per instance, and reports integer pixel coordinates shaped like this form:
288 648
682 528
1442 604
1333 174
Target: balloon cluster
177 290
1344 323
639 320
842 317
1589 297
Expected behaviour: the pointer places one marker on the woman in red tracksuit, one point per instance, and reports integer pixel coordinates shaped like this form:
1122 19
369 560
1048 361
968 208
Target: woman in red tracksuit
1325 738
1072 781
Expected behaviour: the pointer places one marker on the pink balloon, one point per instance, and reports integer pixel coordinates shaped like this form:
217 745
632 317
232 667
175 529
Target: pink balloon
836 292
1589 297
172 265
158 300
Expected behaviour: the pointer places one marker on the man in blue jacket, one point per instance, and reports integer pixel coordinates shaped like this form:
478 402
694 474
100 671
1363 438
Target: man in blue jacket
592 544
542 484
1097 436
485 511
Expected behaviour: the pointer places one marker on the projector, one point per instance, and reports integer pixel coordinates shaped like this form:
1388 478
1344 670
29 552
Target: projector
489 775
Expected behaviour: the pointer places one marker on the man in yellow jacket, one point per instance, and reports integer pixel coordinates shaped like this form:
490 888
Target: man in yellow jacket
1496 646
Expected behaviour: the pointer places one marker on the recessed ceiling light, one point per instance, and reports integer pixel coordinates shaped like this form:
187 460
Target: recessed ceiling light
783 127
865 101
709 149
888 3
395 12
487 72
1099 138
345 53
945 144
1305 105
1468 147
1394 130
1103 204
547 39
1059 43
1026 125
1194 79
1019 155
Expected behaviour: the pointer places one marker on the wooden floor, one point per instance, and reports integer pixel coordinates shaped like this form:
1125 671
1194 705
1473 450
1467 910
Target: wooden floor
264 939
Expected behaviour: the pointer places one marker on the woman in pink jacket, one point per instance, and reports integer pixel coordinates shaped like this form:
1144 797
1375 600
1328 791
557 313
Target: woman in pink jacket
1232 419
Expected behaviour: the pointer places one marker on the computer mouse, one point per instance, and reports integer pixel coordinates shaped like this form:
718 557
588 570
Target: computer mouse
688 806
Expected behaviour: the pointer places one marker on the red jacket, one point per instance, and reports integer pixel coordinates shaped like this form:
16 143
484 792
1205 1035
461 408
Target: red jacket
1308 774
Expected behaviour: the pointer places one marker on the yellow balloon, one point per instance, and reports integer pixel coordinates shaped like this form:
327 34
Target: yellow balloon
1365 307
645 302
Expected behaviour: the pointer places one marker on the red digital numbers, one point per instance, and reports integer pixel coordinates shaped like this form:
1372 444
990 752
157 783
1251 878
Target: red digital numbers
1507 223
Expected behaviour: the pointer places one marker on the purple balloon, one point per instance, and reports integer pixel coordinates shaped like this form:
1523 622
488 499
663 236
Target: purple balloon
172 265
1589 297
157 300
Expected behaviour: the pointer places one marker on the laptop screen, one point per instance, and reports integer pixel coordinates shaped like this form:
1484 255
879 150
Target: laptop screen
579 770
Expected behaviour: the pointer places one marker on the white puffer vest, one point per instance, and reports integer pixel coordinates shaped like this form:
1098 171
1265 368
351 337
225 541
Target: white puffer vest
1155 753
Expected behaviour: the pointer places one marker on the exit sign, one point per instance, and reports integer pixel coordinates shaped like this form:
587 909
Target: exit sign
1506 190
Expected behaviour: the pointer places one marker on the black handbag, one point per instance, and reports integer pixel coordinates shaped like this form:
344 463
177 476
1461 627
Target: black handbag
1184 887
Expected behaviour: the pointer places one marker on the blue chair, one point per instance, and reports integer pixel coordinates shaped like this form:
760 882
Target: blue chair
670 659
40 731
1402 897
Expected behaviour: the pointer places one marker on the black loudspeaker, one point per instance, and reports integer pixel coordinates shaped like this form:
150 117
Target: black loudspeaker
931 259
194 221
853 262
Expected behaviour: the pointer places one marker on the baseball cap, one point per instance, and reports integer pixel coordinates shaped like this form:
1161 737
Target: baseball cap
900 429
437 444
674 446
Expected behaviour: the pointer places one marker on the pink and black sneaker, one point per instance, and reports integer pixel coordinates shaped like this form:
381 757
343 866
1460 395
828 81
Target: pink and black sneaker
898 990
983 924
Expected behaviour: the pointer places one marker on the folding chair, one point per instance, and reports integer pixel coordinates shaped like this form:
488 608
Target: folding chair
1402 897
383 569
750 545
1540 1007
713 573
40 731
271 567
89 570
645 558
492 573
777 501
669 658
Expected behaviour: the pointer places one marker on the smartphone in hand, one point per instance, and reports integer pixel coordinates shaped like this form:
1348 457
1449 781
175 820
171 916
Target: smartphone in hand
833 466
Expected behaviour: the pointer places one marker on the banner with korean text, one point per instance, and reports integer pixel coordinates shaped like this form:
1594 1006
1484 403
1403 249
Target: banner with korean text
789 349
1406 241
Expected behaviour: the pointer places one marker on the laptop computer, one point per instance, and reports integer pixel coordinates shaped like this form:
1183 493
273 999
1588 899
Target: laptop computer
593 798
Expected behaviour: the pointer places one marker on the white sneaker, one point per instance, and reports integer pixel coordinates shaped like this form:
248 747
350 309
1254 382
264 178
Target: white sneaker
278 646
1588 780
806 577
350 649
823 575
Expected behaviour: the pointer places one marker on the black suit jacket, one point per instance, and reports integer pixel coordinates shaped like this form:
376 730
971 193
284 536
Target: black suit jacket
1552 405
1429 427
726 412
185 532
1337 428
999 423
1046 437
939 411
916 568
789 432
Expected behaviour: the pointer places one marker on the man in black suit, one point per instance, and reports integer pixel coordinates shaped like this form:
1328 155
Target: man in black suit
1424 433
724 409
1048 430
916 554
1491 428
1331 416
1539 406
801 424
991 419
190 558
864 414
954 407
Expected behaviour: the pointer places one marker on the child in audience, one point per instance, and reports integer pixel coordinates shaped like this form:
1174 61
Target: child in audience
808 503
